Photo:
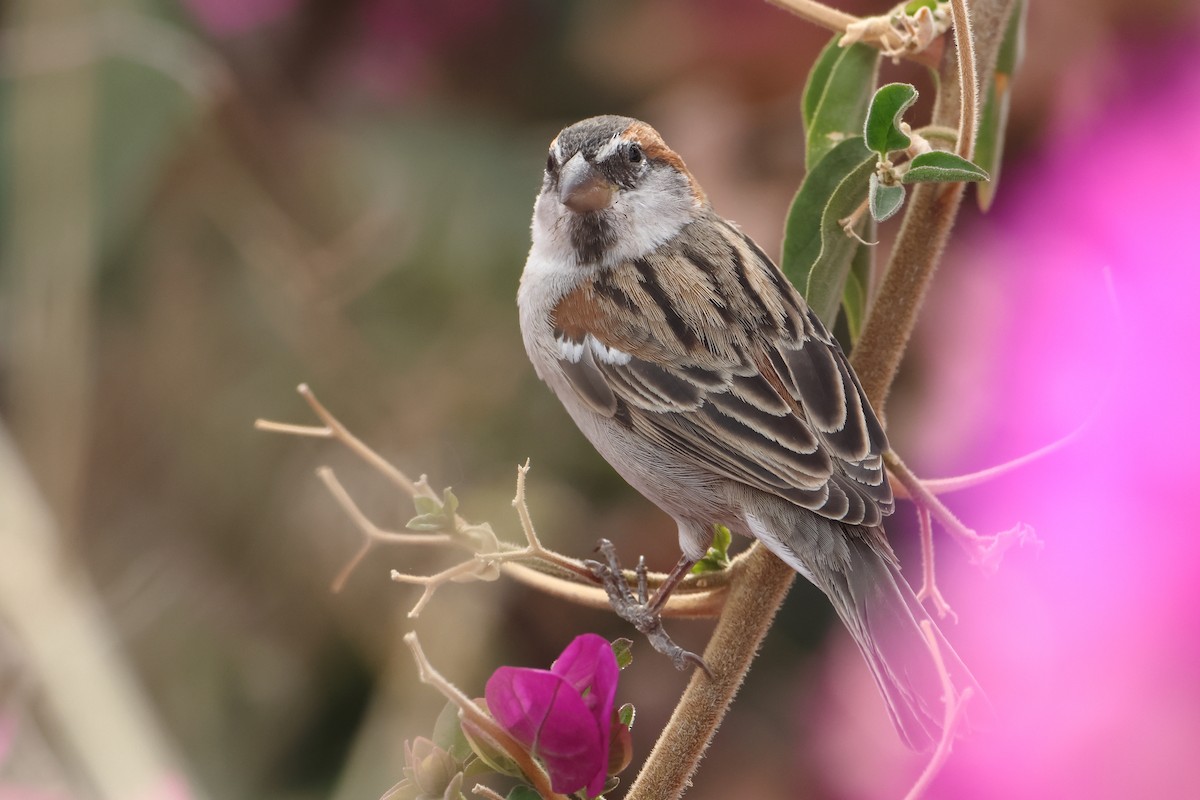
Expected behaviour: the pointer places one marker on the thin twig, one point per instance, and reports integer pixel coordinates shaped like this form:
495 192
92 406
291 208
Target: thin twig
469 711
466 570
534 551
486 793
985 551
954 705
940 486
876 32
373 535
968 79
929 589
818 14
534 565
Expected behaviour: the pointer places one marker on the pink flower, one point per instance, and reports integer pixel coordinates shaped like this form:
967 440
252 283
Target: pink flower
235 17
1087 649
562 715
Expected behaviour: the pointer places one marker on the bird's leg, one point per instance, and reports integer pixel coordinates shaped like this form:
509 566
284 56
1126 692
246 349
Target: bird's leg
644 614
677 573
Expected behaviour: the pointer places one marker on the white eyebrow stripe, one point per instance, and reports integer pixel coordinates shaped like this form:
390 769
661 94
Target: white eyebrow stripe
610 147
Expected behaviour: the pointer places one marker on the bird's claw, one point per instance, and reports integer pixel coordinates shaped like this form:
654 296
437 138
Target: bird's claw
642 613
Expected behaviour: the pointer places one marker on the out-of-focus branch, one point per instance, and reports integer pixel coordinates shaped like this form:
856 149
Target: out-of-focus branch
90 695
50 253
953 717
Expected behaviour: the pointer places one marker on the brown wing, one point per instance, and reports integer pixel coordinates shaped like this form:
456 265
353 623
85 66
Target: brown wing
707 351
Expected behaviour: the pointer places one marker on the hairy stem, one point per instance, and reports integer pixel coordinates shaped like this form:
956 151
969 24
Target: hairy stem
755 598
933 207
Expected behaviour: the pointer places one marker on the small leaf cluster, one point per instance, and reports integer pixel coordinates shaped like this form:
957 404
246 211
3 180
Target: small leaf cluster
860 155
435 769
434 515
885 133
717 557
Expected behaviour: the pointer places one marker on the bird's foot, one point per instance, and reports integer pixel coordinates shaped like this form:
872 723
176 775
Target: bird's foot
639 610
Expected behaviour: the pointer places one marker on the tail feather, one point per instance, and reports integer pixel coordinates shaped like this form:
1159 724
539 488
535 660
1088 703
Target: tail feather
883 615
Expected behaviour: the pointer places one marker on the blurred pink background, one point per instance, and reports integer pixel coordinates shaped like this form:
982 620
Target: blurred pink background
1088 647
204 203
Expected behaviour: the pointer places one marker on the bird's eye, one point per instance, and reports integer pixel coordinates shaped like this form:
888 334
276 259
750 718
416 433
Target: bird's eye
551 164
635 153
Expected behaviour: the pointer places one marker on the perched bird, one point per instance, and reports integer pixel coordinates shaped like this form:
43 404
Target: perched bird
697 370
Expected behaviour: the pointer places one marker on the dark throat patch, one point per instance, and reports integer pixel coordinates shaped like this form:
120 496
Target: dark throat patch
591 236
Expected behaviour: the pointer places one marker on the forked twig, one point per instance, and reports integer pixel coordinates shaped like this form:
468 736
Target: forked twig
373 535
534 550
472 570
333 429
983 550
929 589
533 565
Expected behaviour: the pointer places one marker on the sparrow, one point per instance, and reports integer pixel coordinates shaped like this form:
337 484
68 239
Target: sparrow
700 374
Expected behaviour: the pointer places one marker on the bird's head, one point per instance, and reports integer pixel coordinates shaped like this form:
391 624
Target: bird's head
612 191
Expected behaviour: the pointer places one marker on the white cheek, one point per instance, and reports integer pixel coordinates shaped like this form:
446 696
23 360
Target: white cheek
652 214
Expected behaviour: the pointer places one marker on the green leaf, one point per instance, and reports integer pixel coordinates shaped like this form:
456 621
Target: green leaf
448 735
916 5
427 522
993 120
938 166
858 282
487 749
623 650
881 131
816 251
523 792
434 514
449 503
626 715
836 96
717 557
885 200
427 505
1012 47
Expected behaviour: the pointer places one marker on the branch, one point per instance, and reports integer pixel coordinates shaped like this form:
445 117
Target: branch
929 589
983 550
754 599
698 596
880 32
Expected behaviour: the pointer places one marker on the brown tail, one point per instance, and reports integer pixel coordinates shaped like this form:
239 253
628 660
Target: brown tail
881 612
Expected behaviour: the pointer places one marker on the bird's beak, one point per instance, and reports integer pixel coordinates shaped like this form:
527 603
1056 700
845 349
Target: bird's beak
582 188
